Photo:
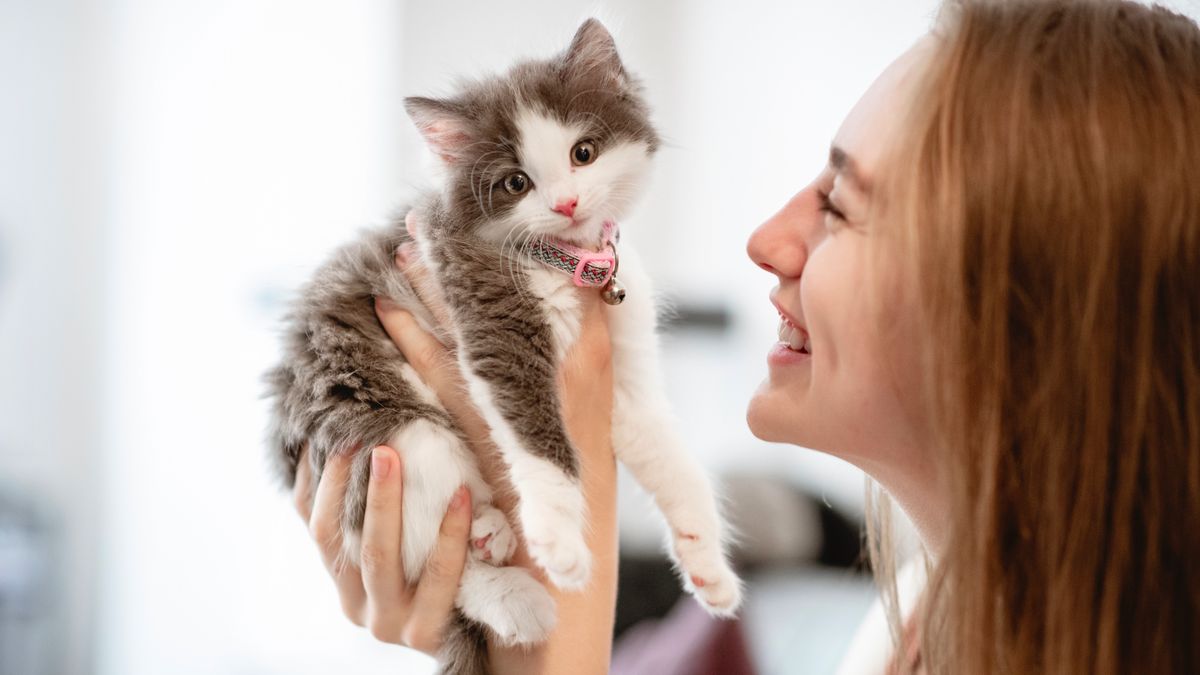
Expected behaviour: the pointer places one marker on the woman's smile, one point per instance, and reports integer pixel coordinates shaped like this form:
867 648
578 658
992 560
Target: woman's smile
794 345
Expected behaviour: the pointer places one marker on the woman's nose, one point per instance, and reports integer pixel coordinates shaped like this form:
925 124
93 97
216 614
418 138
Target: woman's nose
779 244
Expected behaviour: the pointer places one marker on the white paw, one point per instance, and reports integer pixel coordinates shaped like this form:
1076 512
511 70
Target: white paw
707 574
514 605
492 538
556 543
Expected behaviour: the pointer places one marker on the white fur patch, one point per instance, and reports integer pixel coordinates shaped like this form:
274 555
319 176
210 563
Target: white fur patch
560 300
435 464
545 154
508 600
553 518
606 189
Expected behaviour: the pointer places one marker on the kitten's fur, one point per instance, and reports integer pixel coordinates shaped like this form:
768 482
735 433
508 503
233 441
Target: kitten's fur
344 387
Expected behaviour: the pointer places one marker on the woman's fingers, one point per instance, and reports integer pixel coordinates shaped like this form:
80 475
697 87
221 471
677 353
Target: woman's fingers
431 359
326 529
418 278
382 563
436 367
435 594
408 260
302 496
433 363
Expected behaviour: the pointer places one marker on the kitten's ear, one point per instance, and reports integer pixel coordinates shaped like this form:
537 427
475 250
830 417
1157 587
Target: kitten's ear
444 126
593 53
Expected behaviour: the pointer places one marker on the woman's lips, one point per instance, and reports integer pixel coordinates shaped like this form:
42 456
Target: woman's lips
783 355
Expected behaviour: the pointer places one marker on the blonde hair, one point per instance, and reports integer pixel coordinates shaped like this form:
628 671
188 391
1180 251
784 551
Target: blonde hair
1047 186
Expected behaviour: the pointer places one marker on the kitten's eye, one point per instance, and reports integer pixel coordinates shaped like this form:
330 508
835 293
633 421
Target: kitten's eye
516 183
583 153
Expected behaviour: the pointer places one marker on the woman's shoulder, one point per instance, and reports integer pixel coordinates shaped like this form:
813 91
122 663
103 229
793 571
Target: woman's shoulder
871 647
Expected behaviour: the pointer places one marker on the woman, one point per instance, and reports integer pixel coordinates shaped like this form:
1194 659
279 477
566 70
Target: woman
991 304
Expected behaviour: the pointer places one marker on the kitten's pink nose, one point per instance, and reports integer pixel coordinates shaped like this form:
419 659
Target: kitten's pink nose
567 206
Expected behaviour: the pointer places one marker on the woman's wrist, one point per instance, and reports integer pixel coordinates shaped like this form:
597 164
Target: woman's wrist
582 640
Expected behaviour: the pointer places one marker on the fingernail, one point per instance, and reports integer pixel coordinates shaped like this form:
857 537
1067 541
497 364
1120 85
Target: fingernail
380 466
460 499
385 304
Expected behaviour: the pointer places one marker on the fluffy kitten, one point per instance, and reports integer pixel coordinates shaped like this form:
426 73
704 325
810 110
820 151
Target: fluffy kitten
554 151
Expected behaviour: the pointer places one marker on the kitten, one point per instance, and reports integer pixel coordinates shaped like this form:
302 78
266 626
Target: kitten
540 164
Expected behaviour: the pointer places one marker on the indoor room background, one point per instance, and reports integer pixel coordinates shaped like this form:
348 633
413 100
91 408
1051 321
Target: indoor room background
171 171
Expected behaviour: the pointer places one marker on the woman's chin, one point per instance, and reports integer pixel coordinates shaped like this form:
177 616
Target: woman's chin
776 417
764 416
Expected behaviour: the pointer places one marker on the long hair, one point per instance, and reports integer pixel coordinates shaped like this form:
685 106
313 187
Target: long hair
1047 186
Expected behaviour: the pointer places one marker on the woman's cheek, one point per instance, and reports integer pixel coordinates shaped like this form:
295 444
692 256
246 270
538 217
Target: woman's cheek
820 299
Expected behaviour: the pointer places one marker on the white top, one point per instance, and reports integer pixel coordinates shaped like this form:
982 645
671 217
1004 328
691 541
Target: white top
871 649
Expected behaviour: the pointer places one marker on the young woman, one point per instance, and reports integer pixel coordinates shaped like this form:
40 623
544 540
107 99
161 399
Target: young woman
991 303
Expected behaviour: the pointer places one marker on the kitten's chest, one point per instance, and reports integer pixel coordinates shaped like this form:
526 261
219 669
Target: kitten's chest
560 301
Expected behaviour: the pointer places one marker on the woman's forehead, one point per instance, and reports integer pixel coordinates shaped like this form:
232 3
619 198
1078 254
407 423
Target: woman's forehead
864 134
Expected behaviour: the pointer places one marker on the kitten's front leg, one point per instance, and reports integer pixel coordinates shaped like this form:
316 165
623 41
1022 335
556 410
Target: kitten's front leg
646 441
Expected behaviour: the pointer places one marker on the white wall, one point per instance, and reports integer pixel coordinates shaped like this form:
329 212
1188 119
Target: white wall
245 140
51 291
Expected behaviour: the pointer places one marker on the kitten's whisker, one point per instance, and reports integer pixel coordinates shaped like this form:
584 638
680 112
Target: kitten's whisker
508 262
479 178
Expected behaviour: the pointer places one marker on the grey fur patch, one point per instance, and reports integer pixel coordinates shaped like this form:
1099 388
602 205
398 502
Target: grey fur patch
464 649
338 387
506 340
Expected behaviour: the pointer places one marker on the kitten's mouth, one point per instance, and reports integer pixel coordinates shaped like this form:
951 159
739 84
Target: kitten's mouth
581 232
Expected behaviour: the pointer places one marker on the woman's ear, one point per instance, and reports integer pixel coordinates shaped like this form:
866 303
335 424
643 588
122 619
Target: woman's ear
444 125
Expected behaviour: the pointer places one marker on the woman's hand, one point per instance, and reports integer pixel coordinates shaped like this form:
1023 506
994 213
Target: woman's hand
582 641
377 595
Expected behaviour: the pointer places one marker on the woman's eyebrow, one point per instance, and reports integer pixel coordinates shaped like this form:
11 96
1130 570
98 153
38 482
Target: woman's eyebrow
844 164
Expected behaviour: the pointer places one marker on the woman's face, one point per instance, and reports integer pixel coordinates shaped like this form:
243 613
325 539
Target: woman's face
843 376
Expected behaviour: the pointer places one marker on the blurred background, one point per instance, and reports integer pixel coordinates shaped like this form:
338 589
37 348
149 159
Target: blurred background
170 171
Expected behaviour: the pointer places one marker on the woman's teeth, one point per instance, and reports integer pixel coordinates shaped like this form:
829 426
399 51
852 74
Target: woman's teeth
794 337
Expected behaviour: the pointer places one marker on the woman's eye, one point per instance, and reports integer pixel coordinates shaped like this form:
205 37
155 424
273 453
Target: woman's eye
517 183
583 153
833 217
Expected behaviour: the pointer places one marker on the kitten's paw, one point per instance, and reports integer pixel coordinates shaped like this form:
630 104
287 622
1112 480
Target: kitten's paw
516 607
492 538
557 546
567 563
708 574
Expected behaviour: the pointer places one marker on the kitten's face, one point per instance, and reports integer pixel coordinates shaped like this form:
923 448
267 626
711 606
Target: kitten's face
555 148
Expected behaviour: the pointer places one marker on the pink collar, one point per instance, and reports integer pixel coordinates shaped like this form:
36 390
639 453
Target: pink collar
589 269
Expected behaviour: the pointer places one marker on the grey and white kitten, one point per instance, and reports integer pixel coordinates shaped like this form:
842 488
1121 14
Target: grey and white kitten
553 149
